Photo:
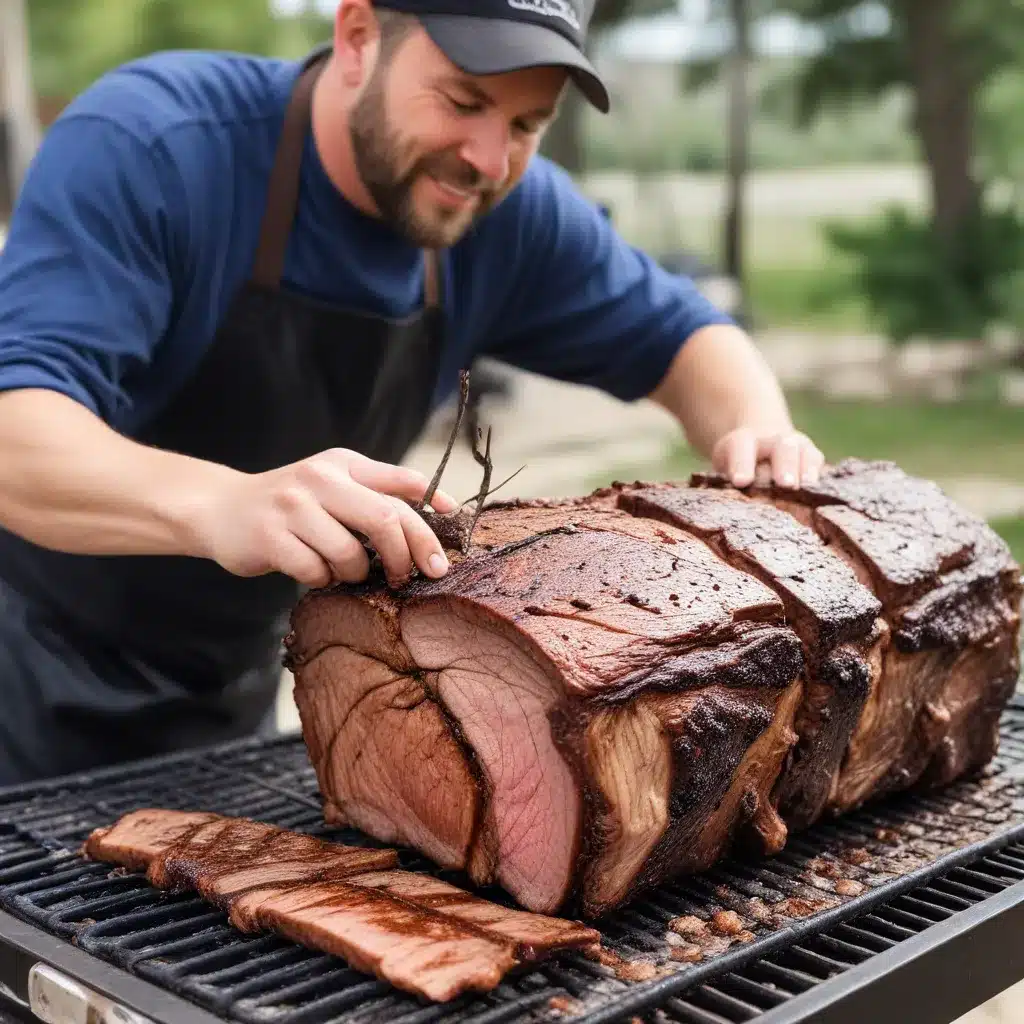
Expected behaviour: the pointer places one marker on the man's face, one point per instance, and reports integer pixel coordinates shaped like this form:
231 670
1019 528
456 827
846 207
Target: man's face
437 148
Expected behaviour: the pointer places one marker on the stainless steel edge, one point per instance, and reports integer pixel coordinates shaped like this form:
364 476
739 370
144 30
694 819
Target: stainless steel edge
116 984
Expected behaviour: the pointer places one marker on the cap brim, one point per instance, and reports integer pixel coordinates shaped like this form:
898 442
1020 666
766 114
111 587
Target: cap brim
491 46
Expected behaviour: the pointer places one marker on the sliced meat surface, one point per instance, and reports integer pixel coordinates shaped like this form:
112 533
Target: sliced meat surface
417 950
135 839
531 934
224 859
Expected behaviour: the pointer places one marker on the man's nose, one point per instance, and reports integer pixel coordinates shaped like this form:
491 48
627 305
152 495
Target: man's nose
487 149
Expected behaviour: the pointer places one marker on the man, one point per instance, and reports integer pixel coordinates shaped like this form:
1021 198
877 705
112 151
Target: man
233 291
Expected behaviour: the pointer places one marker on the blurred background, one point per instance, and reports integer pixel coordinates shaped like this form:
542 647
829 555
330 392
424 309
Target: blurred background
846 177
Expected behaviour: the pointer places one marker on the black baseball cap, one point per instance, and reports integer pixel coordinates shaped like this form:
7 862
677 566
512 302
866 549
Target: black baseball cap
491 37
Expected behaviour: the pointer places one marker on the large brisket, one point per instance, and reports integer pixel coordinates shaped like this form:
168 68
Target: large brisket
415 931
608 691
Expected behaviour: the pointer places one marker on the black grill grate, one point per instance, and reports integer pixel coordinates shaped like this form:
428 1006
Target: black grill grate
836 897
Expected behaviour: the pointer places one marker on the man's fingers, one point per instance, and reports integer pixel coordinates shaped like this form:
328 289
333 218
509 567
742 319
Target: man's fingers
301 562
345 556
377 517
785 459
812 461
398 481
739 458
424 546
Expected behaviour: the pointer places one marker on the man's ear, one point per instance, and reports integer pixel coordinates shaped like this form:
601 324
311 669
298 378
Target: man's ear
356 41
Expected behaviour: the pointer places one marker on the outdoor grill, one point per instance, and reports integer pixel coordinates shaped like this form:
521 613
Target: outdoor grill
910 910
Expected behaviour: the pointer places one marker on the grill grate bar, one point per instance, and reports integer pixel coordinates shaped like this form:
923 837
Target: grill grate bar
688 1013
971 894
731 1008
914 923
865 939
889 929
994 883
923 910
850 953
818 965
787 978
756 994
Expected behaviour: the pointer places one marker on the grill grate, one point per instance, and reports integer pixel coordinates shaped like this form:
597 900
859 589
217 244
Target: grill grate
835 898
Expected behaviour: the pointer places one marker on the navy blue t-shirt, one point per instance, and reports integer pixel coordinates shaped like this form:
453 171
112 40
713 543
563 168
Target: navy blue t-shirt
139 219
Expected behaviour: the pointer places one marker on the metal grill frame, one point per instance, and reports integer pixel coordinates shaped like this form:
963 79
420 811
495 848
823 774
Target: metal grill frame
945 969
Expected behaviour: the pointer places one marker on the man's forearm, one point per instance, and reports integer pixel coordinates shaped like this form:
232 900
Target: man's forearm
69 482
718 383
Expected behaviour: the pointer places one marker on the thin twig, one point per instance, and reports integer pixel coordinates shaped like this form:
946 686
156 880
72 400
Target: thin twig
439 472
483 459
480 496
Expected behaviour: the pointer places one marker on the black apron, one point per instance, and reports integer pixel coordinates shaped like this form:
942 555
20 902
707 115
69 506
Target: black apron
104 659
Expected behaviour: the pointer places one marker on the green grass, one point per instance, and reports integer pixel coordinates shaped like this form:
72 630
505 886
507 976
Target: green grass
803 298
1012 531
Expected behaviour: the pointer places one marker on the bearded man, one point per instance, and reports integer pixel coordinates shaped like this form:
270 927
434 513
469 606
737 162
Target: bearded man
233 291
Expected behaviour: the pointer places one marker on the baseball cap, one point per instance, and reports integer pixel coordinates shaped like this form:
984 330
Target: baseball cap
491 37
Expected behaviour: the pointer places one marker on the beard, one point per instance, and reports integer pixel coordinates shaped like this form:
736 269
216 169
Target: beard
390 179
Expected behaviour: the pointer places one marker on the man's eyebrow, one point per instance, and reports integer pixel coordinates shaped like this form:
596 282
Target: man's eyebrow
478 93
482 96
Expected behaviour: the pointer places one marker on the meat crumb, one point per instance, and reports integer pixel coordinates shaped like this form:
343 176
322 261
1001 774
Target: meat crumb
726 922
686 953
689 926
625 970
848 887
825 867
858 857
795 907
630 971
563 1004
756 909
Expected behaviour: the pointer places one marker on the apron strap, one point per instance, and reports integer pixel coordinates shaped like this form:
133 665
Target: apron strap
285 177
431 278
283 190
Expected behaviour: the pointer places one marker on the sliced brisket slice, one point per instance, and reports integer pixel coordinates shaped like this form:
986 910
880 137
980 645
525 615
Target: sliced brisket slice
834 614
414 949
582 689
225 859
135 839
951 597
415 931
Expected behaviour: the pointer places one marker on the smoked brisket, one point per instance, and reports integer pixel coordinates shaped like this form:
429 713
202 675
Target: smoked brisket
608 691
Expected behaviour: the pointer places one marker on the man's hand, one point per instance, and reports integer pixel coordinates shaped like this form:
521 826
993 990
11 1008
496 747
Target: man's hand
301 520
794 459
733 410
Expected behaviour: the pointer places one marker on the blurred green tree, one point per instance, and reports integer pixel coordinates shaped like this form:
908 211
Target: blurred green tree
74 41
944 274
